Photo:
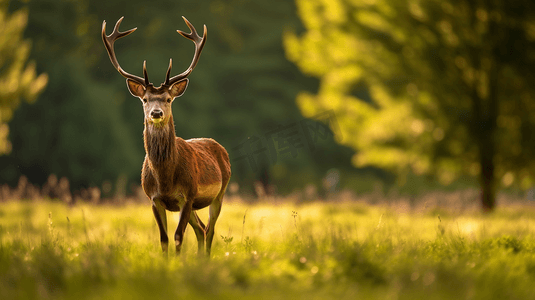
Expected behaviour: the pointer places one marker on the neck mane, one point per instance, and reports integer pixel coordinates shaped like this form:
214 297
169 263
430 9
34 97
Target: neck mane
160 141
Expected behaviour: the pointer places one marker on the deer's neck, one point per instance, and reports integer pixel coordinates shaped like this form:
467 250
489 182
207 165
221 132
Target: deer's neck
160 143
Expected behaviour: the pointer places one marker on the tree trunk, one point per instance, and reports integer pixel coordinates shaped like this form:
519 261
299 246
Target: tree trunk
488 184
485 105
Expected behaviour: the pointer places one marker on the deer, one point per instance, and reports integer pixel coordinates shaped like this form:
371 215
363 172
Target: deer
177 175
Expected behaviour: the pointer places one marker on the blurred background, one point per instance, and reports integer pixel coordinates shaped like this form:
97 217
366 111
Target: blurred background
309 97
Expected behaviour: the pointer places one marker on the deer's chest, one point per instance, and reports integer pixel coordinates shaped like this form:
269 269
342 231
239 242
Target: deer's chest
163 189
171 202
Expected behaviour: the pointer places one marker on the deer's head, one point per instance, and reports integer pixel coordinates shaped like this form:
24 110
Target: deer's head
156 100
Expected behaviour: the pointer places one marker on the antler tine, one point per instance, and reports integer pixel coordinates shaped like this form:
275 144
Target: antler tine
199 44
168 71
193 35
145 75
109 41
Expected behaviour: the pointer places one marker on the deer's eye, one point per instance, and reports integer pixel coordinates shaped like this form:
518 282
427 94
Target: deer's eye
144 100
168 100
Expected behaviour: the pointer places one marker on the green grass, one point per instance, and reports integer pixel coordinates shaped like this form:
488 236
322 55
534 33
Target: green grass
267 251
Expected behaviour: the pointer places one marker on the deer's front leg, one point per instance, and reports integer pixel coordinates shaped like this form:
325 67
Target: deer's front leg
185 215
161 220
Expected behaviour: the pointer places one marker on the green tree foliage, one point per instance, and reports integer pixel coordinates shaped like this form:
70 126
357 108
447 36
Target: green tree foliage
432 87
18 77
87 126
77 129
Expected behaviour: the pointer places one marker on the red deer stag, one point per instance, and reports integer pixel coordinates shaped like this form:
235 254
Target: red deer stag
177 175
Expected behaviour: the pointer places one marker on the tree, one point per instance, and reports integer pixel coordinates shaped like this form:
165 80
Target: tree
432 87
77 128
18 78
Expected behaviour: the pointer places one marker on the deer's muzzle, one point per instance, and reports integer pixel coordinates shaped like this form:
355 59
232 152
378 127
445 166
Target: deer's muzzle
156 115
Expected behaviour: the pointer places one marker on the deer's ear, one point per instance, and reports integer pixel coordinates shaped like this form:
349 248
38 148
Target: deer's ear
136 89
178 88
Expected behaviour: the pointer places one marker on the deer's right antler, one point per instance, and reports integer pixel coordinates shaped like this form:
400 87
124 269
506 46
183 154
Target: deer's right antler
108 42
199 44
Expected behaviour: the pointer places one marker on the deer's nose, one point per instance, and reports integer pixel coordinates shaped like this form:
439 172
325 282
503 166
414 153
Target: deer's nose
156 114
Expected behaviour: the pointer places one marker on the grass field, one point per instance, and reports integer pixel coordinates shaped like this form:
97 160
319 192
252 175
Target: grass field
267 251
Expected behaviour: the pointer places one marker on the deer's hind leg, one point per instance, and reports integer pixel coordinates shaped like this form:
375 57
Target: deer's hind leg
200 230
215 209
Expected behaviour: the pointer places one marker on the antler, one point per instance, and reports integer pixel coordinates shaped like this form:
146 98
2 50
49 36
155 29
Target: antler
199 44
108 42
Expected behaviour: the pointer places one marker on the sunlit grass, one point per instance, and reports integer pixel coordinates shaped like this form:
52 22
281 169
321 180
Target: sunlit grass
265 251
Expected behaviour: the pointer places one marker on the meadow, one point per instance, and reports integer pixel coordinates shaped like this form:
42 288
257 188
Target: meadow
268 250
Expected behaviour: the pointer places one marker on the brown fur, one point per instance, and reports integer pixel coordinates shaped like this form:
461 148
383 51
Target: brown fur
189 163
